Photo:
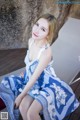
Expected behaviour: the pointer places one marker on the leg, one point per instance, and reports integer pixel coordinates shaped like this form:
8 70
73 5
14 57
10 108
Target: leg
34 110
24 106
2 105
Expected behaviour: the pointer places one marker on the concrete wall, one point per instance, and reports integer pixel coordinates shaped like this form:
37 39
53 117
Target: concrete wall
66 50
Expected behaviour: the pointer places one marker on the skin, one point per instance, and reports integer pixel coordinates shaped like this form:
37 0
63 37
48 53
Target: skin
25 102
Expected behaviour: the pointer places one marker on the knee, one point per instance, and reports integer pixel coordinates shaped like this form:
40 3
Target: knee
22 108
30 115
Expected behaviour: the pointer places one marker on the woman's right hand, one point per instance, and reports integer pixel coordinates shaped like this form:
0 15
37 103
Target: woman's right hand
18 101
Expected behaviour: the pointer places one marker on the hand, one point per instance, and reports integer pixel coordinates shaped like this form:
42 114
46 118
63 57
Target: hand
18 101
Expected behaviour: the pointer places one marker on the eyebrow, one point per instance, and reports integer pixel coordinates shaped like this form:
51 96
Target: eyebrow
42 26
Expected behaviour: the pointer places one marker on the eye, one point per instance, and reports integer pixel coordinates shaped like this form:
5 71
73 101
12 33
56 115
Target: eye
37 24
43 29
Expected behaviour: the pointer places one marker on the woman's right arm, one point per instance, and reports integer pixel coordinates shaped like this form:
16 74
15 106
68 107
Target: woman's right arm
29 42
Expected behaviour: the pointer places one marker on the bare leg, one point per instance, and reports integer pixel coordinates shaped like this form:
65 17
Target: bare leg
2 104
34 110
24 106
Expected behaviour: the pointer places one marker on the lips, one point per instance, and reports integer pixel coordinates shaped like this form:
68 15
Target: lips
35 34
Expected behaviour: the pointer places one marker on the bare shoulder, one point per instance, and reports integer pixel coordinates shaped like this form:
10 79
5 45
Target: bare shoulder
48 51
29 41
47 54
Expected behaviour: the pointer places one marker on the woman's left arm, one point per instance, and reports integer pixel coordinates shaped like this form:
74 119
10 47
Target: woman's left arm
43 62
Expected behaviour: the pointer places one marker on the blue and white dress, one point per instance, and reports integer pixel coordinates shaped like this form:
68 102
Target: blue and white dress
55 96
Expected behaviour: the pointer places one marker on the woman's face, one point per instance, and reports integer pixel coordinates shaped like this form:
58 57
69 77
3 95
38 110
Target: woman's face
40 29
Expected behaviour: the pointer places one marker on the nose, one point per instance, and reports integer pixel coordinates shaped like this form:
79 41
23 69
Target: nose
37 31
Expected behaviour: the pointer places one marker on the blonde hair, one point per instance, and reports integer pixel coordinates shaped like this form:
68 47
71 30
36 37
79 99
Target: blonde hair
52 26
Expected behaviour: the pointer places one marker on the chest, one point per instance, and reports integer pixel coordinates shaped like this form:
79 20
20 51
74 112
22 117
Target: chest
33 52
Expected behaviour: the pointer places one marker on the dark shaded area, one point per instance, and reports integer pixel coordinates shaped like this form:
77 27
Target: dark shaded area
11 60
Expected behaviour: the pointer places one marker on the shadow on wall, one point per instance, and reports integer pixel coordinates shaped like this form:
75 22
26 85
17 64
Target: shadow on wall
66 50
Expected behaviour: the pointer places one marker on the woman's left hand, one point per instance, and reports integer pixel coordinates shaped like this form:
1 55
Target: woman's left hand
18 101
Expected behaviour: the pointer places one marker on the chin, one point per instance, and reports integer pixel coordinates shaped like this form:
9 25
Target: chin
35 38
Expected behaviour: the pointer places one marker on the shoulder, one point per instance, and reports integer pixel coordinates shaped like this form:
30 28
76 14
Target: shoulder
47 54
47 51
30 42
45 58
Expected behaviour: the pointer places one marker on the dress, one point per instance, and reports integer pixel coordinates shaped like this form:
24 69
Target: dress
55 96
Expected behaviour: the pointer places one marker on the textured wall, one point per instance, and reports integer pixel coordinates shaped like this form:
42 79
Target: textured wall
10 25
75 11
16 15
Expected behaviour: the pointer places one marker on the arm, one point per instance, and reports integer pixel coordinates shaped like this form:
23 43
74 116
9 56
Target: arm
43 62
22 73
30 42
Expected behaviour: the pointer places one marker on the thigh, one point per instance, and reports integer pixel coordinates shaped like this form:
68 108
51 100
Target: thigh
35 107
26 102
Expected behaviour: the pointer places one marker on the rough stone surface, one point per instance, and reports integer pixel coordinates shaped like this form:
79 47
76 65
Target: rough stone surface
15 16
75 11
18 16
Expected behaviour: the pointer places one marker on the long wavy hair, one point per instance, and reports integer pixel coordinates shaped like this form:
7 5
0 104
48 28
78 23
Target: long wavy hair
52 26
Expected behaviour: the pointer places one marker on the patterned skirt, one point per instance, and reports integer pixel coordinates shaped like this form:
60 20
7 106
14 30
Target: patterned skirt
55 96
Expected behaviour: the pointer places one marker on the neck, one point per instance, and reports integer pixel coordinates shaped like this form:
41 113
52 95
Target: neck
40 43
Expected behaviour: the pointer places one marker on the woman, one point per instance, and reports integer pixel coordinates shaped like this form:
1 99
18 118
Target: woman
39 90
